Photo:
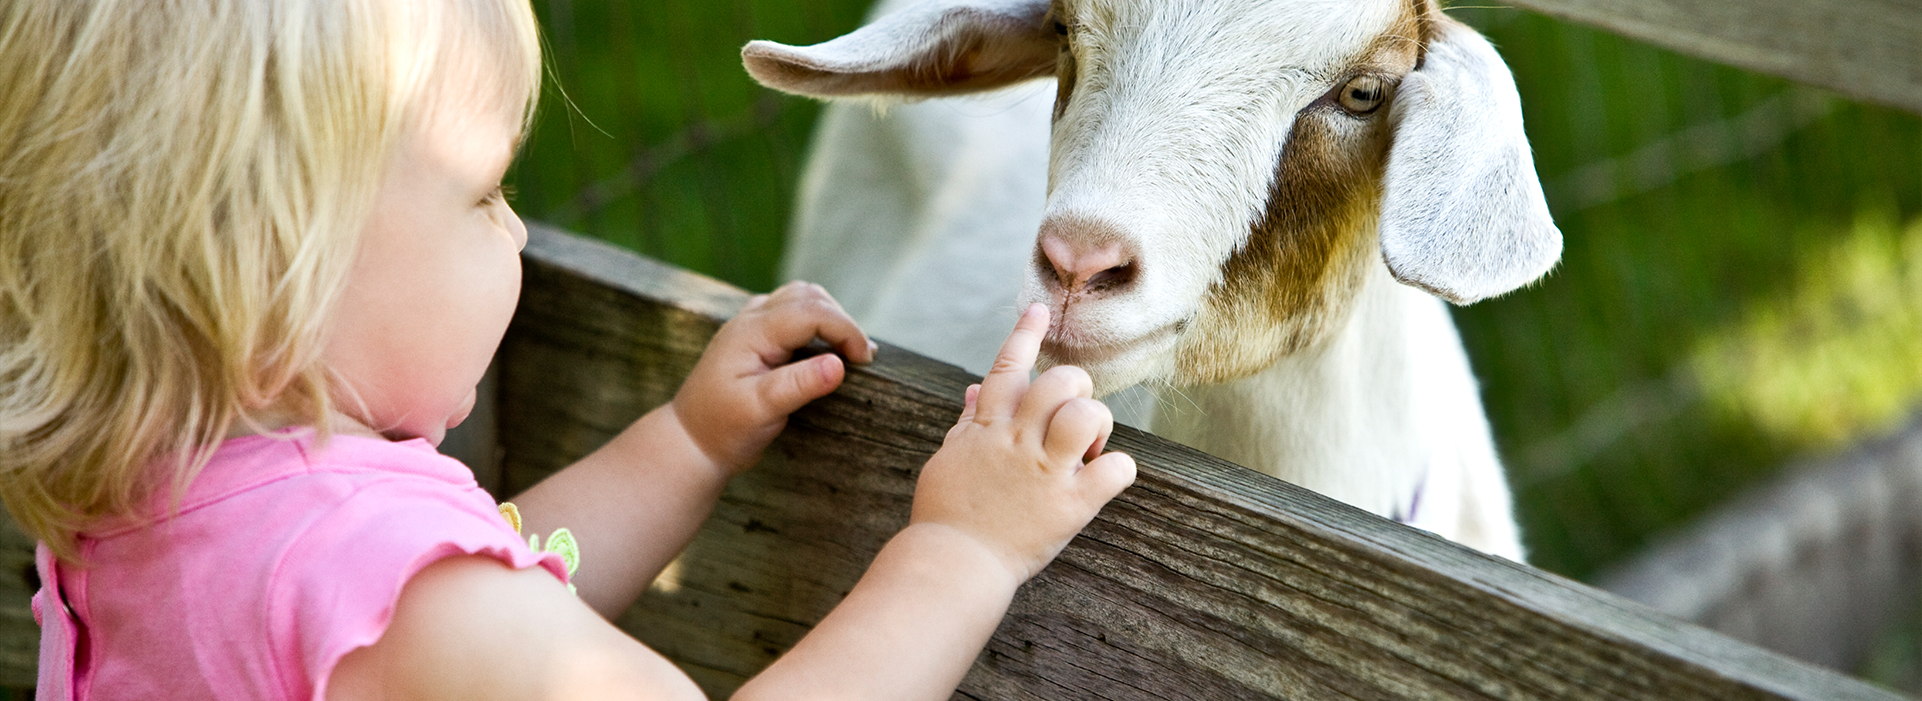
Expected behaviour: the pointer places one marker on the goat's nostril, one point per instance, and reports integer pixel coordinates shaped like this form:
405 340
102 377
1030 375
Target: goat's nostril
1081 267
1113 278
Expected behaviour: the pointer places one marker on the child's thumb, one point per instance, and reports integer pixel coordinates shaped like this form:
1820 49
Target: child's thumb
790 387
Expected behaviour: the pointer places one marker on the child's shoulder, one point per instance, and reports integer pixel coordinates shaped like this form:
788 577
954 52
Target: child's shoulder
292 470
312 491
292 551
250 462
303 497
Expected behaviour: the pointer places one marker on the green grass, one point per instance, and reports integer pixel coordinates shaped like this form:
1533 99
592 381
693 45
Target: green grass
1630 390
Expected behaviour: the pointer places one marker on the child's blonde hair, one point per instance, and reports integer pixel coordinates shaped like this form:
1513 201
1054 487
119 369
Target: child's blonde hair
182 187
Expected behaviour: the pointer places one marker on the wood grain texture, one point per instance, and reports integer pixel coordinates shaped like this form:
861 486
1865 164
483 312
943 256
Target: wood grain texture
1870 50
1204 580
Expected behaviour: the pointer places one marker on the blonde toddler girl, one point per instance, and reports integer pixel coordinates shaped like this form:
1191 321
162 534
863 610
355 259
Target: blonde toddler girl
254 258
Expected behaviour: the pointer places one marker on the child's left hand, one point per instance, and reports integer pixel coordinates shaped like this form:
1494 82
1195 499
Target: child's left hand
740 394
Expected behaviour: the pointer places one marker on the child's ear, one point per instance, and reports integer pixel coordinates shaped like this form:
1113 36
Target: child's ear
945 47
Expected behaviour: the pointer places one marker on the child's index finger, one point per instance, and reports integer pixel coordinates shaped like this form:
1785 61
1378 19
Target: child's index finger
1002 389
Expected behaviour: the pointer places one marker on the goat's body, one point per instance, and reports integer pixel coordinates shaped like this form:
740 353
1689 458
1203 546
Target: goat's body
1385 415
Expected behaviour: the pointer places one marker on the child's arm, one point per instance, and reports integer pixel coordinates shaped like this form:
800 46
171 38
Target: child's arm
634 504
1016 478
470 629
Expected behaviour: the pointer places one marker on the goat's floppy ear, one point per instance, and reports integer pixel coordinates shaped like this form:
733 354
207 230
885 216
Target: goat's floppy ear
1463 214
941 47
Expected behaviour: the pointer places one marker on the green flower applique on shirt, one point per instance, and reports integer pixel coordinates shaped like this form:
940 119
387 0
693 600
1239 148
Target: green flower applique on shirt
560 542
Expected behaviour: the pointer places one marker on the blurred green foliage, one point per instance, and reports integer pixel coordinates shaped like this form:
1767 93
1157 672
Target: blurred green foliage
1694 198
1697 336
653 137
1839 355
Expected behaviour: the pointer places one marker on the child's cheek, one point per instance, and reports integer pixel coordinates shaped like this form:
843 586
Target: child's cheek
466 408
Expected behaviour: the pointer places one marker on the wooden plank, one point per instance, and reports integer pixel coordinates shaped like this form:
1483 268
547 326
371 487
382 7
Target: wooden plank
1205 580
1870 50
19 635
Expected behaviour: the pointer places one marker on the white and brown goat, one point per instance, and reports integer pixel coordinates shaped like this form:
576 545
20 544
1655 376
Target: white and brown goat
1250 204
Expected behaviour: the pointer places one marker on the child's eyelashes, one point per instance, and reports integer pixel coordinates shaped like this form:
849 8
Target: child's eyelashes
500 195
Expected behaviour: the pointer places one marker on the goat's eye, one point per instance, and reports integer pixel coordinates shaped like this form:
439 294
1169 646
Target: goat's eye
1060 28
1363 94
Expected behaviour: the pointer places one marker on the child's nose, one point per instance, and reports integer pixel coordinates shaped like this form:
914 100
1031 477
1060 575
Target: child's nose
517 228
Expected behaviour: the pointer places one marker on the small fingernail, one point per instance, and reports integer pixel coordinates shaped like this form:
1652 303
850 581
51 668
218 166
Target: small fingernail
873 347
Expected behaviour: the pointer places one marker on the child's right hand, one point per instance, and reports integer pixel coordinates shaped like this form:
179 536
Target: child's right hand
1022 471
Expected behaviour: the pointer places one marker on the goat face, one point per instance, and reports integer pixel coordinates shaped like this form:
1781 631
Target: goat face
1225 173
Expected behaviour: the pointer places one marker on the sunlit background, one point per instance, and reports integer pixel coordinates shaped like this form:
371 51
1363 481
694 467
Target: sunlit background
1741 287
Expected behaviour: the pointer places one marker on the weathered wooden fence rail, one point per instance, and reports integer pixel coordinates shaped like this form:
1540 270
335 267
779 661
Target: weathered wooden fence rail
1869 50
1205 580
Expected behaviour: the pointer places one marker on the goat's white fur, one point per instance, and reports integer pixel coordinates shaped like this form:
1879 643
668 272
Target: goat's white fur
923 221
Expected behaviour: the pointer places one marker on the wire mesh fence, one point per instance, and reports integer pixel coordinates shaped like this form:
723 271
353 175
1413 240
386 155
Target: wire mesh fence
1741 286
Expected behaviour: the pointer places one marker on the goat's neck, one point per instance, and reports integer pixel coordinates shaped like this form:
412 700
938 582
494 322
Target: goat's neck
1361 417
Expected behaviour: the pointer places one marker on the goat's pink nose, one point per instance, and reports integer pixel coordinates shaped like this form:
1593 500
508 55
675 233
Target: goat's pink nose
1089 267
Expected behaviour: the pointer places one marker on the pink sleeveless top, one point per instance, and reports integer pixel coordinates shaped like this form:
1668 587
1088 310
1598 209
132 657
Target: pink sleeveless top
281 560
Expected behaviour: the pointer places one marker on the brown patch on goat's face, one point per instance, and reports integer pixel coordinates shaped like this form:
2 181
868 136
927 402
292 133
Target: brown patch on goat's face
1293 284
1065 74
